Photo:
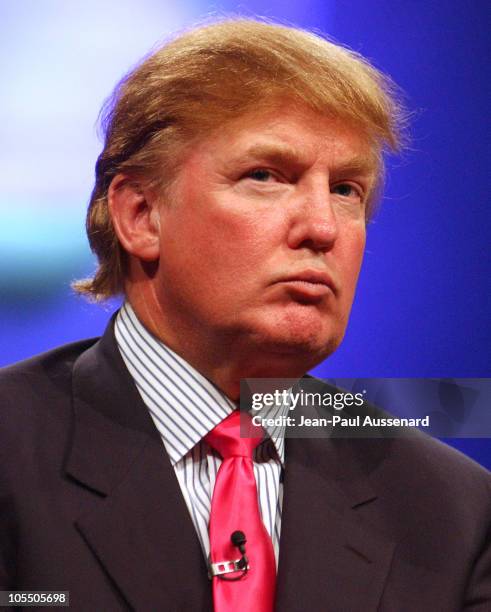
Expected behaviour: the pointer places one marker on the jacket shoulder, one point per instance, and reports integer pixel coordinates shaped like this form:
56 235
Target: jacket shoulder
37 378
410 450
67 353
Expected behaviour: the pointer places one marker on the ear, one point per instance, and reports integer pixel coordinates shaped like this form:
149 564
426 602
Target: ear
135 217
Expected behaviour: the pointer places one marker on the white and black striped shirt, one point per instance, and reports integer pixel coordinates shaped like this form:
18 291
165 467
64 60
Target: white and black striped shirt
185 406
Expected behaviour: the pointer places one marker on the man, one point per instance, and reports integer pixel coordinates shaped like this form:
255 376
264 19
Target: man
241 163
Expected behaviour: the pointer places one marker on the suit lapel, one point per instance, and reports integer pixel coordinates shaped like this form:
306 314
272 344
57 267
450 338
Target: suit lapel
134 518
329 559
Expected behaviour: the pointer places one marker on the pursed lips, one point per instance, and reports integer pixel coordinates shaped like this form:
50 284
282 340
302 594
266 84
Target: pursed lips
314 282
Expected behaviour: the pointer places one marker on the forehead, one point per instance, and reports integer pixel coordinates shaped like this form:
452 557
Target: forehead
296 135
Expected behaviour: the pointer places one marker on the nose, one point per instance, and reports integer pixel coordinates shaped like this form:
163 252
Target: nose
314 224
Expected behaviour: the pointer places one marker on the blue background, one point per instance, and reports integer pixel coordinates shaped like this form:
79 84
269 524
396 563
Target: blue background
424 299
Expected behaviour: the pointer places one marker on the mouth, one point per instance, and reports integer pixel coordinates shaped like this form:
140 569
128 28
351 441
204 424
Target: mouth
312 284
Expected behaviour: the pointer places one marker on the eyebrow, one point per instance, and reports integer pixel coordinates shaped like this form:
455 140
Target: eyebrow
270 152
283 153
359 164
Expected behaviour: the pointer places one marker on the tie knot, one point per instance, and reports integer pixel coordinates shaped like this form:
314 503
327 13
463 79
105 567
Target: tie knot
235 436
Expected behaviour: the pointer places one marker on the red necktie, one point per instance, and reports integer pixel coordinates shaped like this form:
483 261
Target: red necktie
234 507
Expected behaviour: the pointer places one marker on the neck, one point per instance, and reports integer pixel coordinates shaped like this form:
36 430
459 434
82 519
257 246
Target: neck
225 359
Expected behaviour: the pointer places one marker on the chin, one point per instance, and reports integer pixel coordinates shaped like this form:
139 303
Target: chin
298 347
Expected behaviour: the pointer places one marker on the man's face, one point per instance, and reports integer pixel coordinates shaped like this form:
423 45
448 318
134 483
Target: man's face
263 233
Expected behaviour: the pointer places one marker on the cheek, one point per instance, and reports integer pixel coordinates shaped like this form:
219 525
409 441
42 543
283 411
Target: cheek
353 251
216 243
231 232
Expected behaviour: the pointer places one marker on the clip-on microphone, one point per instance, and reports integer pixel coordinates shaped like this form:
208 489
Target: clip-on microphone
238 539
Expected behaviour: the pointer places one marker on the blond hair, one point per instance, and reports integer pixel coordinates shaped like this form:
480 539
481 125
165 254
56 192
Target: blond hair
211 75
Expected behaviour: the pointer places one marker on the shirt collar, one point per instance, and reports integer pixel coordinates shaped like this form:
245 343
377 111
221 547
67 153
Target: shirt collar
185 405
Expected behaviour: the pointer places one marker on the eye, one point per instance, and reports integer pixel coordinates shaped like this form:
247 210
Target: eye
261 175
346 190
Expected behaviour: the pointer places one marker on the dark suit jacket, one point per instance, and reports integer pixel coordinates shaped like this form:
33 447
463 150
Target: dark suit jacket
90 503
